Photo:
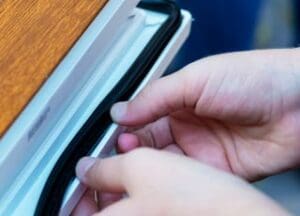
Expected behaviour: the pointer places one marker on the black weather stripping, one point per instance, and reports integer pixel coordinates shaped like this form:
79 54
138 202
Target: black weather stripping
94 128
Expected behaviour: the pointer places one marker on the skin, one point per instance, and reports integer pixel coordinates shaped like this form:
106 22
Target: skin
206 191
238 112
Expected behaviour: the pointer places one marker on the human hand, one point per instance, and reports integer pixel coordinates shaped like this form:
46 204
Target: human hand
161 183
239 112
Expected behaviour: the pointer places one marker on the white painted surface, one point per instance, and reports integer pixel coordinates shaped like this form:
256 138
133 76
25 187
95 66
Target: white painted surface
20 189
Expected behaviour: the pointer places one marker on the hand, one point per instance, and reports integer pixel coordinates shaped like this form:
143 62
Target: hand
238 112
160 183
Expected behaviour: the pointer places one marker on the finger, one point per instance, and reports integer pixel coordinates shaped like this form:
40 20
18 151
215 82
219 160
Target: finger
104 175
156 100
173 148
86 206
124 207
156 135
127 142
224 87
107 199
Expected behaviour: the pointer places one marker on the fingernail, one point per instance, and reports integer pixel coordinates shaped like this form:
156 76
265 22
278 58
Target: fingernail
118 111
83 166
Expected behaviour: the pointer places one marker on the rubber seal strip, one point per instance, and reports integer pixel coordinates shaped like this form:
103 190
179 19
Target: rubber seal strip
85 140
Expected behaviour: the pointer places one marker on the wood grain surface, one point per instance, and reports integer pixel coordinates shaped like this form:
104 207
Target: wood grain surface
34 37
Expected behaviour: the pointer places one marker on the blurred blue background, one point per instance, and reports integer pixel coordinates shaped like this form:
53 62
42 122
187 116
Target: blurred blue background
233 25
220 26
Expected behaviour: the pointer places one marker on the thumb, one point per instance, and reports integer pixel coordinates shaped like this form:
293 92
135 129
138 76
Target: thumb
156 100
104 175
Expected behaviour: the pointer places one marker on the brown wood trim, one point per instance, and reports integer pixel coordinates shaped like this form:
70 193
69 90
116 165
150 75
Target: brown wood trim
34 37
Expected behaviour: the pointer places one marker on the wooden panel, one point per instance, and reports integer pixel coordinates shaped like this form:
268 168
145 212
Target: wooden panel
34 36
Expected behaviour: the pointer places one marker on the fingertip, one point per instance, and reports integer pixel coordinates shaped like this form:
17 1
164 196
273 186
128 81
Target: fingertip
127 142
83 166
107 199
173 148
118 112
127 113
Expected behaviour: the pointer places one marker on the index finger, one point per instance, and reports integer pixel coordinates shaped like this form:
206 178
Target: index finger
156 100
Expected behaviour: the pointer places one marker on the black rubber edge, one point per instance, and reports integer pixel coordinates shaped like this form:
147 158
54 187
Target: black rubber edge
64 171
